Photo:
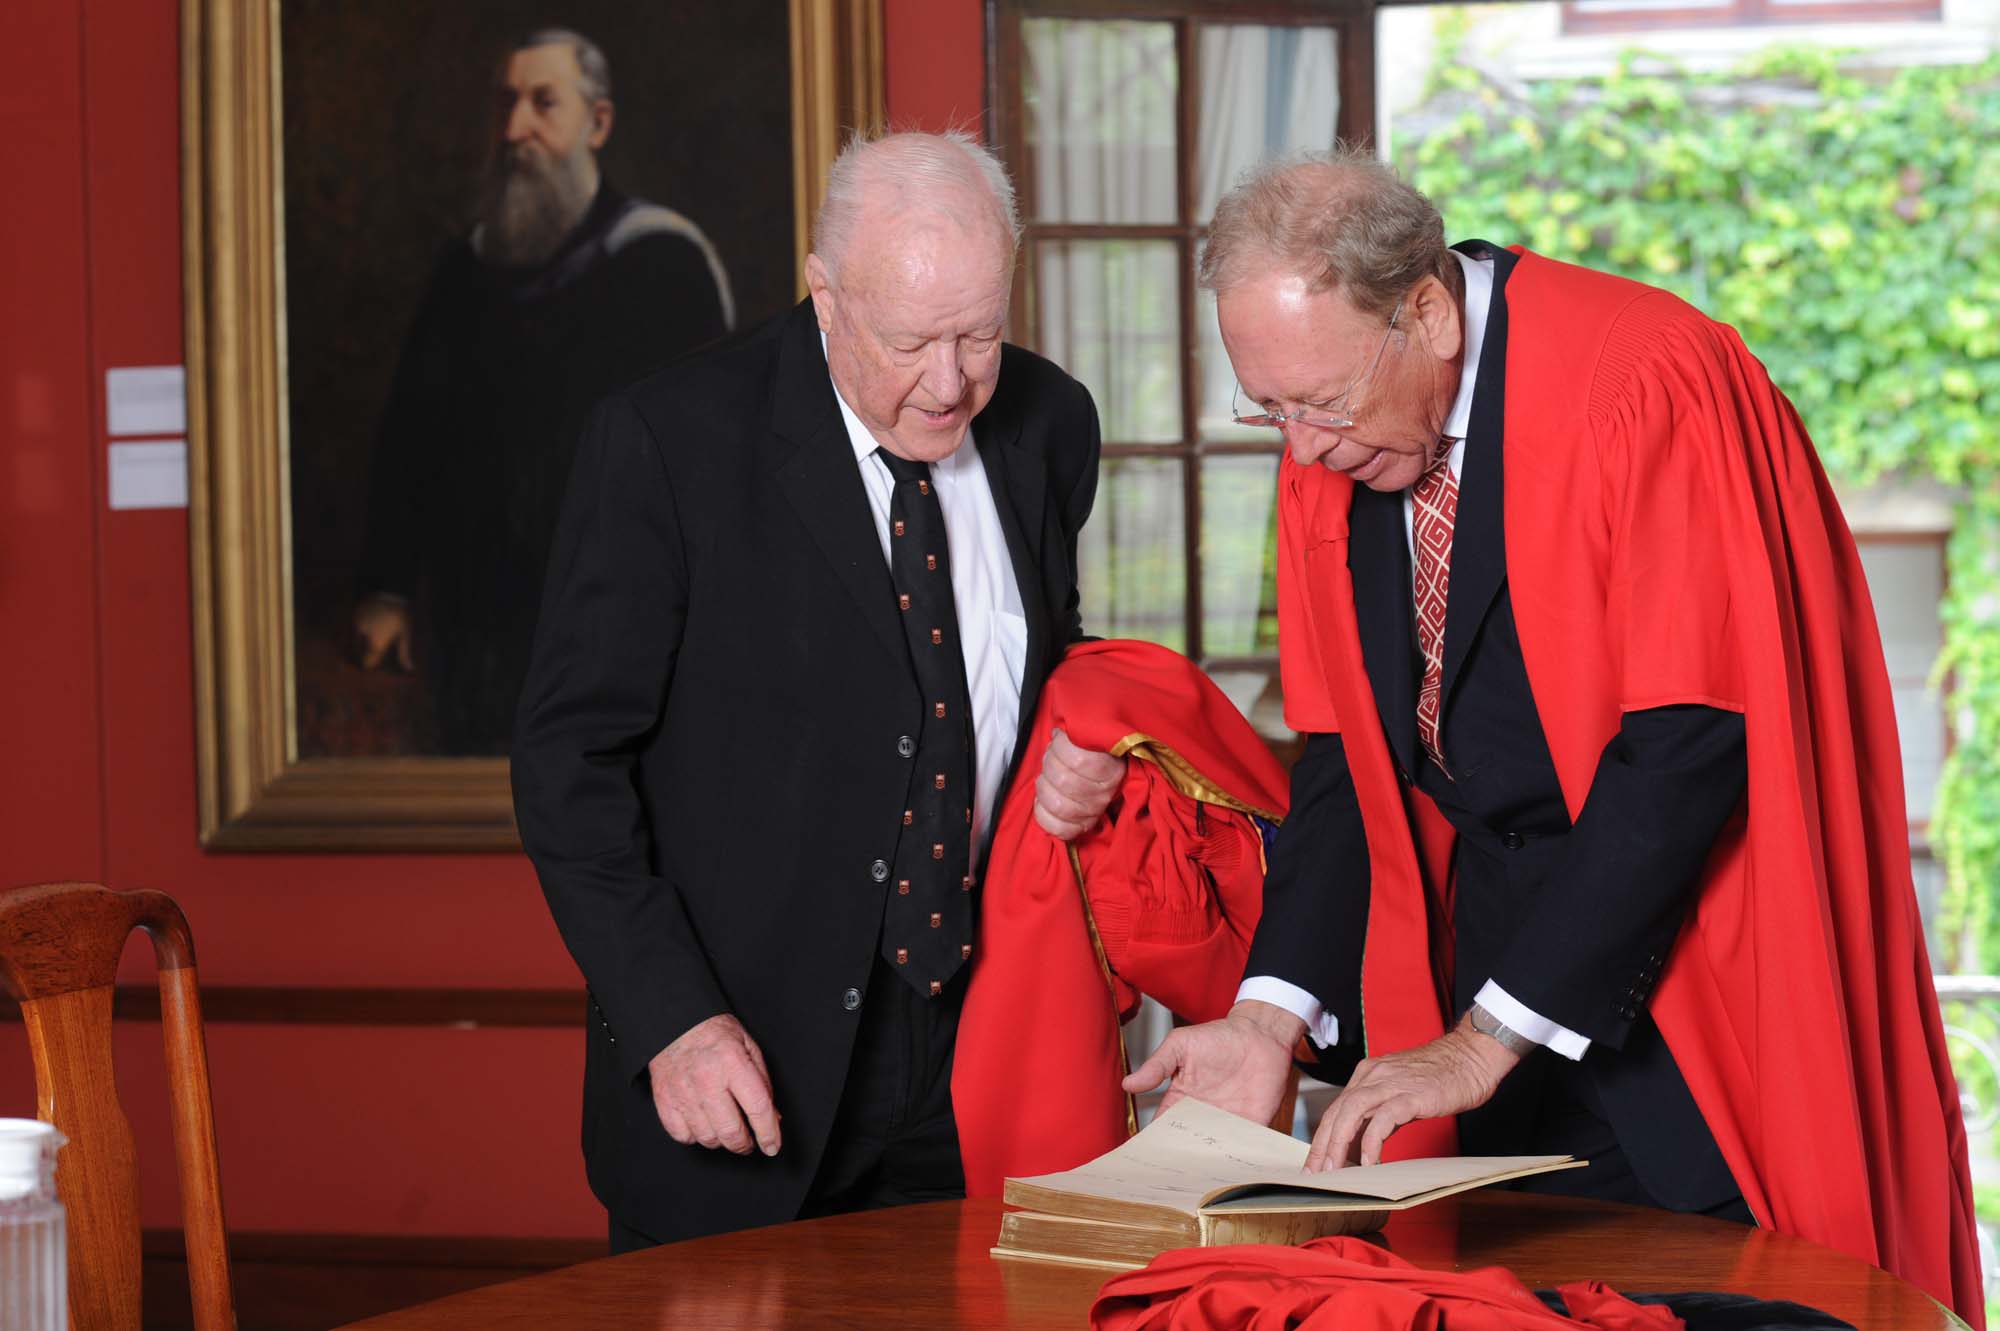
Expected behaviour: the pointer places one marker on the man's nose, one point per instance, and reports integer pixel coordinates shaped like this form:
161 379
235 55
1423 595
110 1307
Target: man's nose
944 378
1308 443
520 122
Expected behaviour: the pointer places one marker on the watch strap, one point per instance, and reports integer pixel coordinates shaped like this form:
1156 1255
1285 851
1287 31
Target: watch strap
1487 1024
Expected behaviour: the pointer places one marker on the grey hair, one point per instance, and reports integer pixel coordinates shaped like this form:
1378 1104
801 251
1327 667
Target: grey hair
596 82
916 169
1339 219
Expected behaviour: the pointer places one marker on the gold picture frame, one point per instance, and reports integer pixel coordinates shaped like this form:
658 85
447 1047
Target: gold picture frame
255 791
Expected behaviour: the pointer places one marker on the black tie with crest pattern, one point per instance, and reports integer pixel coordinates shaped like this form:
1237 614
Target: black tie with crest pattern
927 927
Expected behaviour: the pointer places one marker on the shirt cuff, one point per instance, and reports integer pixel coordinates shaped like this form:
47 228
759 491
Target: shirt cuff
1530 1024
1321 1025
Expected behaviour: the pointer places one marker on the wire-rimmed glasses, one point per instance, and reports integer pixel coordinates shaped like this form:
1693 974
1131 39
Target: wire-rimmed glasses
1335 415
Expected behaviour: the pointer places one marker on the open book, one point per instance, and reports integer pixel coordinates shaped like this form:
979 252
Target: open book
1198 1176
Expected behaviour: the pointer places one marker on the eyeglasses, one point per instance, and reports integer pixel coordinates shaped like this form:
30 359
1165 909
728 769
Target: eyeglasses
1335 415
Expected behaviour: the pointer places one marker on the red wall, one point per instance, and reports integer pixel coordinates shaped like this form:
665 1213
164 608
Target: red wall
401 1130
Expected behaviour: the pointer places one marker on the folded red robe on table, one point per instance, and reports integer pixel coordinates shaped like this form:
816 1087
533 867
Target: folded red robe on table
1346 1284
1175 875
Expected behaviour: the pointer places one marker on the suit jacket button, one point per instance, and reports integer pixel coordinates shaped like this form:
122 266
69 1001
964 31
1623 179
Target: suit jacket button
850 999
907 747
879 871
1513 840
1628 1012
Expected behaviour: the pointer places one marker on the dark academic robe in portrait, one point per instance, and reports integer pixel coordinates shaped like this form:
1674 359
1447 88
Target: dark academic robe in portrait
713 756
477 438
1664 544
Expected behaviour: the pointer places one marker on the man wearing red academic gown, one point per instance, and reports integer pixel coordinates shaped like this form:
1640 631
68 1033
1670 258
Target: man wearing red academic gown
1597 845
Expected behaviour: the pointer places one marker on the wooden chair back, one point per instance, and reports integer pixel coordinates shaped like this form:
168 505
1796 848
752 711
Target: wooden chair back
59 948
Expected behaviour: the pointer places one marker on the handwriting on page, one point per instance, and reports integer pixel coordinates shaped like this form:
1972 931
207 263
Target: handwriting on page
1194 1151
1187 1153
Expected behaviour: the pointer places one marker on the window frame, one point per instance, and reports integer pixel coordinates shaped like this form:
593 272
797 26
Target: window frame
1577 21
1006 120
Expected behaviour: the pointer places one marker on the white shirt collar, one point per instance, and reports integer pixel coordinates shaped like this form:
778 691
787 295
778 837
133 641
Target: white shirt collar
1478 303
864 442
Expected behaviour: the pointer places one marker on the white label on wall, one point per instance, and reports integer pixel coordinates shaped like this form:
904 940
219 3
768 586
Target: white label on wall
146 399
152 475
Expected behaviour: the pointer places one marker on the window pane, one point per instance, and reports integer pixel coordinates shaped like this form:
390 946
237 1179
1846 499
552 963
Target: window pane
1100 112
1906 582
1264 92
1239 590
1109 312
1133 556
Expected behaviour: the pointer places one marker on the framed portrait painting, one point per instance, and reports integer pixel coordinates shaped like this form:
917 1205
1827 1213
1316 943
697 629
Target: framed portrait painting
421 242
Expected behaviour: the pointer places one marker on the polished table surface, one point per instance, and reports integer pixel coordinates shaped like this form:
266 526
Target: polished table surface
929 1267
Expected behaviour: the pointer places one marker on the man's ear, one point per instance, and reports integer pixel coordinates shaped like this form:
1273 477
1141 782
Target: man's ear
1431 306
601 115
820 286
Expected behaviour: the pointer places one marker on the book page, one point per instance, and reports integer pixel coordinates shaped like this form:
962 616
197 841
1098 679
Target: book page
1194 1153
1183 1155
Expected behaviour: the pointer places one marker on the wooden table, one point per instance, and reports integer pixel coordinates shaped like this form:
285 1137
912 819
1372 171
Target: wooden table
928 1267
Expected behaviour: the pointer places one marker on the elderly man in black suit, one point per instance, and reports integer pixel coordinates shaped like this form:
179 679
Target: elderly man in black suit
802 598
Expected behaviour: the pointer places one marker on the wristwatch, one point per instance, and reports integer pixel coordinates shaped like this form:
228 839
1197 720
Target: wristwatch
1487 1024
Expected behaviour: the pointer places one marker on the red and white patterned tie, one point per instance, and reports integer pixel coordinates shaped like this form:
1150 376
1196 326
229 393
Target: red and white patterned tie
1433 510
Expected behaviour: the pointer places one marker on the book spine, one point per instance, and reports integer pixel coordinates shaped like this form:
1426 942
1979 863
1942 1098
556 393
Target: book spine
1287 1227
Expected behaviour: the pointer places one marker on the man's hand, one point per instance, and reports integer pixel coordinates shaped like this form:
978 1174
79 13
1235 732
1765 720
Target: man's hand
382 625
708 1081
1458 1071
1238 1063
1075 787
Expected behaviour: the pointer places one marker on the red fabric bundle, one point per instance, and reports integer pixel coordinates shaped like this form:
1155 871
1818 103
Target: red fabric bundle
1346 1284
1175 882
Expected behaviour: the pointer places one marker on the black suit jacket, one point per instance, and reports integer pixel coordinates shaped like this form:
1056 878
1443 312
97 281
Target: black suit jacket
1529 887
706 759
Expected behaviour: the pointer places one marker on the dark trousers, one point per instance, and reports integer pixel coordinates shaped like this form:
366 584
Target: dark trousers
894 1139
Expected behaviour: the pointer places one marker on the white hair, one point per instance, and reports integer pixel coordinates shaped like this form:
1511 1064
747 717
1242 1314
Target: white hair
595 81
906 171
1340 219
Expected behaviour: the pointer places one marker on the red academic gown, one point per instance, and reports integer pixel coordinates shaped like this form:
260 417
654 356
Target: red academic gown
1175 874
1672 538
1348 1284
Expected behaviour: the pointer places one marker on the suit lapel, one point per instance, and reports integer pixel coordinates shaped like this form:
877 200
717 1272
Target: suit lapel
1378 557
823 483
1478 538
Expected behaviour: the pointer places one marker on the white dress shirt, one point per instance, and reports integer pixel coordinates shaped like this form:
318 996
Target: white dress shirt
992 629
1322 1025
